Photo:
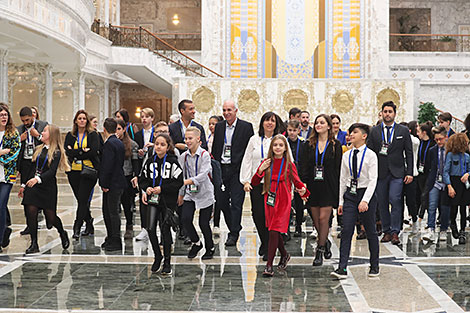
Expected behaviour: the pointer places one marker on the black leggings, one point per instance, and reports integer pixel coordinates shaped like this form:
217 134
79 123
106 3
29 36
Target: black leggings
156 216
463 216
127 198
204 217
81 188
32 220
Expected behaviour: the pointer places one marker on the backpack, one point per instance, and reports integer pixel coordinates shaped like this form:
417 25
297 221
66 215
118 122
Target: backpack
216 176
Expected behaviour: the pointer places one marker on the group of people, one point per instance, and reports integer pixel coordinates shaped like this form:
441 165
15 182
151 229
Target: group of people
365 173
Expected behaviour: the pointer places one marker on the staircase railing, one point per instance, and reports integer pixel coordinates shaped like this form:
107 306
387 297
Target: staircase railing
457 124
140 37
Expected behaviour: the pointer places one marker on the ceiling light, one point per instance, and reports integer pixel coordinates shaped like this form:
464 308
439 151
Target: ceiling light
176 19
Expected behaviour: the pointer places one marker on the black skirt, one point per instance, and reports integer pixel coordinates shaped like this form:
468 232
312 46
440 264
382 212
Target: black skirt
321 195
462 194
43 196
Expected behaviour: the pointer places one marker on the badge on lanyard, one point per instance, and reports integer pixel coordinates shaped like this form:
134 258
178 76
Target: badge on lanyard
271 199
421 168
39 170
421 163
354 181
386 144
29 150
353 189
192 188
384 148
318 170
227 151
154 198
439 178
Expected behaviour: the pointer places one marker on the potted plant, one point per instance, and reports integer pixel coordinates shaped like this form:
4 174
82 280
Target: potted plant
446 44
427 112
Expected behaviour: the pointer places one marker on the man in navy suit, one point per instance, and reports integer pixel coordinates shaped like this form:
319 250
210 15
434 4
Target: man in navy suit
305 128
112 182
226 134
390 141
178 129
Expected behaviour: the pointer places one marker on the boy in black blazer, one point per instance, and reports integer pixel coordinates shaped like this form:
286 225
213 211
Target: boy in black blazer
390 141
112 181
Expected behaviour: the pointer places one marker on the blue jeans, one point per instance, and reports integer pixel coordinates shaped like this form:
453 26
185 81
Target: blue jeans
5 189
435 200
389 192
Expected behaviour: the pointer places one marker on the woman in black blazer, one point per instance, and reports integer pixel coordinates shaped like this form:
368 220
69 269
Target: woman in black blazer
320 169
82 147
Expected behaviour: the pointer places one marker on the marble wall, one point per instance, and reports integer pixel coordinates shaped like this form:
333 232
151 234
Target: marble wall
354 100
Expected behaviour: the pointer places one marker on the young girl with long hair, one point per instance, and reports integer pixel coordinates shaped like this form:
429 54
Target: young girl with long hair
131 171
456 172
41 189
320 164
280 173
160 180
10 145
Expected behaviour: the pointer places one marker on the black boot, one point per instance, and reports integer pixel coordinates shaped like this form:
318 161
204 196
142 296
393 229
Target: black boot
89 228
318 261
33 248
166 270
76 230
462 238
64 237
455 232
157 262
328 249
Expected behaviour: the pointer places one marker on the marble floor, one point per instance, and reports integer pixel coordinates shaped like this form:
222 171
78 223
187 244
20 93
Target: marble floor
415 276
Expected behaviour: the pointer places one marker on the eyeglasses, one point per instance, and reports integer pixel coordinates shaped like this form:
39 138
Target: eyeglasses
3 114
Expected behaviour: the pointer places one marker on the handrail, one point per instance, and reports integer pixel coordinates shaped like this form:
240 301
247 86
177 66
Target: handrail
177 34
453 117
429 35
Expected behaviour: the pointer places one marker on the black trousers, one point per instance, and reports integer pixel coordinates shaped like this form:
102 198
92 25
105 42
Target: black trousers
409 197
110 208
217 207
205 214
350 216
156 217
299 210
258 214
232 199
81 188
127 198
143 214
424 204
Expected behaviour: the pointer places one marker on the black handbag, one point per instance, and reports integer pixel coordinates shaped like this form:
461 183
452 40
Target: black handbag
170 217
89 172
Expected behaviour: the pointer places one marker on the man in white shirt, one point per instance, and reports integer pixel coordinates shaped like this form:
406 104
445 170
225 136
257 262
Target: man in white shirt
358 180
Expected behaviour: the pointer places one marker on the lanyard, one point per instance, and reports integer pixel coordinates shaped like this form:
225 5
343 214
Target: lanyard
132 130
323 155
183 132
462 164
448 132
391 133
439 159
151 135
43 164
360 166
161 170
80 144
297 151
278 175
262 148
1 142
187 166
425 151
28 133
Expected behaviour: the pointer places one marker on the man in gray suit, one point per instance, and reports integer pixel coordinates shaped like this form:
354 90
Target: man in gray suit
30 132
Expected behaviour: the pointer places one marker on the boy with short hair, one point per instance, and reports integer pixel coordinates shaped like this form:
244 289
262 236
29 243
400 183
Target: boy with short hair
197 193
358 180
444 120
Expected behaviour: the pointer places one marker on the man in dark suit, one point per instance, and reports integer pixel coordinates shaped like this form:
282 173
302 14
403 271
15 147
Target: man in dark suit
177 129
230 155
112 182
305 128
30 131
390 141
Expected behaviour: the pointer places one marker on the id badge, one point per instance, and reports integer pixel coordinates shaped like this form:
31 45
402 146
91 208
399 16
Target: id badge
78 162
271 200
421 168
227 151
439 178
353 189
29 150
193 189
154 199
384 149
318 173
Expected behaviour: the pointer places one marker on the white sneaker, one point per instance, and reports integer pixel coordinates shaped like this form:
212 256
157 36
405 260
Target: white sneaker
429 235
415 227
216 230
443 235
143 236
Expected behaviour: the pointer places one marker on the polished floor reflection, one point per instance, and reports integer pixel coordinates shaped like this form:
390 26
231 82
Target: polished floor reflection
416 276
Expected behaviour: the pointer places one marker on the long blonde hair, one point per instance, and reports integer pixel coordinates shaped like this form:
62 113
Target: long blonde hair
55 143
287 162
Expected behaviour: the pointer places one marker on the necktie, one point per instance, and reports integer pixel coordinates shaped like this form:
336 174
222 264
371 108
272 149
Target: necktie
356 151
441 160
388 133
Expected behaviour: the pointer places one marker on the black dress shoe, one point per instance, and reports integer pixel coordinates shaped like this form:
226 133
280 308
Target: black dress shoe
455 232
209 254
65 240
25 231
231 242
105 243
261 250
194 250
327 253
113 247
89 228
265 257
76 230
361 235
166 270
6 237
156 263
33 248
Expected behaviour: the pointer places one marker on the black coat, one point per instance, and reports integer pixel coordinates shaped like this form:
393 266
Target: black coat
433 159
393 162
93 142
241 136
176 133
39 125
111 174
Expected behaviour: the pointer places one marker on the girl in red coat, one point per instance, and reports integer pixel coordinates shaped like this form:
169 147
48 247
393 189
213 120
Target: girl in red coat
279 172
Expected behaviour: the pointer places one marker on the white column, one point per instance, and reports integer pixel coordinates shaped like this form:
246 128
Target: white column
377 52
81 91
106 101
49 93
106 12
4 76
117 104
118 12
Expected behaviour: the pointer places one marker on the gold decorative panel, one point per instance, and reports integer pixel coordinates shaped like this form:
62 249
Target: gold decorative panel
295 98
388 94
343 101
204 99
248 100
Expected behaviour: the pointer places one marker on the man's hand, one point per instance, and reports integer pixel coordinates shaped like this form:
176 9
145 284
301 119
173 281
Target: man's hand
464 178
188 182
408 179
24 136
363 207
34 132
135 182
104 189
180 200
340 210
451 191
144 198
247 187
